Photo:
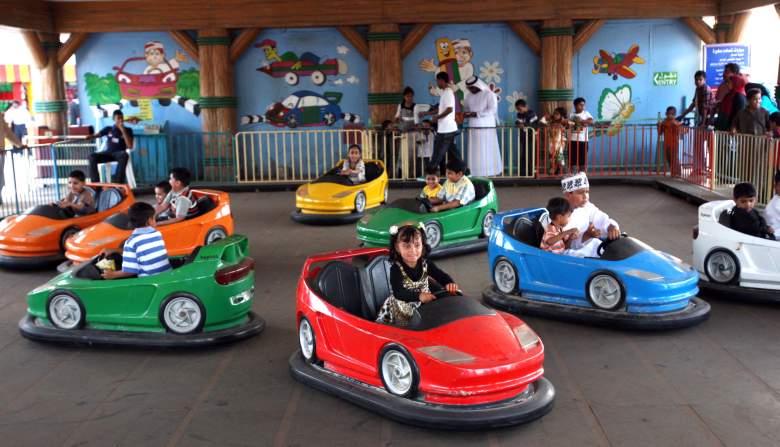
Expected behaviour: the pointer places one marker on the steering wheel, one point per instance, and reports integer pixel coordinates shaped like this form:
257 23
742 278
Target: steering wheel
426 202
605 243
442 293
68 212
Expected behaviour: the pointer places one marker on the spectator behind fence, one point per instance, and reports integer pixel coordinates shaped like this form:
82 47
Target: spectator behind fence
404 115
754 119
5 135
774 125
446 126
526 120
734 99
484 155
578 137
703 100
119 139
554 140
424 143
669 129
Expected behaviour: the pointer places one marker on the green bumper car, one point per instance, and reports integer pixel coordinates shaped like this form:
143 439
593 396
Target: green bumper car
206 299
460 230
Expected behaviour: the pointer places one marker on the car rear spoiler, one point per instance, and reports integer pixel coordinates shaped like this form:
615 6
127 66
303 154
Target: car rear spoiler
230 250
342 255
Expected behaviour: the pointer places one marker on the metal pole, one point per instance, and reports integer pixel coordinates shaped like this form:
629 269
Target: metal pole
13 174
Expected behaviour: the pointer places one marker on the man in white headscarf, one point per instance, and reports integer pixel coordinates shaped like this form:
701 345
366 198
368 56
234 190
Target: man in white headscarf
481 108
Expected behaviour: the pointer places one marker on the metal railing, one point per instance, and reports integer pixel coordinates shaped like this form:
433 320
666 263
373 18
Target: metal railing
745 158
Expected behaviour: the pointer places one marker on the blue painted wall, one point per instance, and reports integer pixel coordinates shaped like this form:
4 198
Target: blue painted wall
665 45
101 52
493 44
257 90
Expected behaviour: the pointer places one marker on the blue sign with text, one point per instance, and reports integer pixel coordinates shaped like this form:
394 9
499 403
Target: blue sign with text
718 55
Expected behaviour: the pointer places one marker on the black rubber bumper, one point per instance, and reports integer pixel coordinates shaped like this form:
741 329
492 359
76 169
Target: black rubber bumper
32 328
29 263
479 244
448 417
738 293
697 311
325 219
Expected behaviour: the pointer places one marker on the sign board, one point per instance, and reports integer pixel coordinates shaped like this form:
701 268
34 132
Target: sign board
665 78
718 55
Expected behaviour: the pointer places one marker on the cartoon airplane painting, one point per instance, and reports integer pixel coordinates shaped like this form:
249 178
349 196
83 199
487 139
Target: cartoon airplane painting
617 64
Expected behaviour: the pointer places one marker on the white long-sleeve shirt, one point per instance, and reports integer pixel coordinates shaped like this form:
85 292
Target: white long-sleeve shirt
772 213
583 216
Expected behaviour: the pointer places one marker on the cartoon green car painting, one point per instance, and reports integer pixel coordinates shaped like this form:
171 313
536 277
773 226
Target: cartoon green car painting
450 232
206 299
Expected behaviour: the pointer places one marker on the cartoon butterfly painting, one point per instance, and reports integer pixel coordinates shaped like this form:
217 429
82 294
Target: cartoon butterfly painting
616 107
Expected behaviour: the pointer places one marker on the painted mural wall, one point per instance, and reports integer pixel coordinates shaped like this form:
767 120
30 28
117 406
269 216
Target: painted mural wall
146 75
492 52
301 78
631 70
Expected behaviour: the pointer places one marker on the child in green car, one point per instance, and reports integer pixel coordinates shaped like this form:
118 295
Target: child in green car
456 191
432 185
143 253
410 275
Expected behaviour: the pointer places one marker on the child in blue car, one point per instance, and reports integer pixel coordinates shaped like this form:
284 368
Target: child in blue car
556 239
411 275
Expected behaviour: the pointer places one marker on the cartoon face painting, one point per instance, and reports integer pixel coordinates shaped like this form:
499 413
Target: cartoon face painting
444 49
154 57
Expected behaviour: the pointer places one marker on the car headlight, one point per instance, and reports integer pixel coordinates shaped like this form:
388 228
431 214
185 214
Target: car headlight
102 242
446 354
526 337
641 274
343 194
43 231
303 191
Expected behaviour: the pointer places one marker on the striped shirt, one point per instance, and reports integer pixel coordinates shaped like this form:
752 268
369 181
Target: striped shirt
144 253
462 191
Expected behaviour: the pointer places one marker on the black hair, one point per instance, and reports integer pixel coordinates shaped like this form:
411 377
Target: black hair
456 165
139 214
386 124
579 100
165 186
775 118
733 67
520 102
557 206
753 92
356 146
744 190
672 109
78 174
406 233
700 74
432 171
182 174
443 76
117 113
408 90
562 111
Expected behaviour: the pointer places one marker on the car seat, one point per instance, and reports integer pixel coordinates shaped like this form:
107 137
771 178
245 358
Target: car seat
527 231
375 282
108 198
480 190
725 218
373 171
338 284
203 205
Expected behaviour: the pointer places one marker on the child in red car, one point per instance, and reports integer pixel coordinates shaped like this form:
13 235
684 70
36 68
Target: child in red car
410 275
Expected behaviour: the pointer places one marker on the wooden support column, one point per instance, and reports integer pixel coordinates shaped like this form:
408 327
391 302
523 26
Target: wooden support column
556 65
385 73
217 101
50 105
728 28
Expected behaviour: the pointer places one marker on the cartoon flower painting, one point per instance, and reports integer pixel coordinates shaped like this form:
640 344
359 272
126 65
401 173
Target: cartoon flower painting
514 97
496 91
491 72
342 49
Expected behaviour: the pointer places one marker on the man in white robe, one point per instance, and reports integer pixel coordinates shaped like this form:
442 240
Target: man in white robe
481 107
591 223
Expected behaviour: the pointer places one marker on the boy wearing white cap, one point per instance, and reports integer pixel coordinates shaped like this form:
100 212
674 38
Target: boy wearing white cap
586 217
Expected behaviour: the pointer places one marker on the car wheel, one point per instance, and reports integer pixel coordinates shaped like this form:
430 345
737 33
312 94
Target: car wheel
67 234
214 235
65 311
291 78
386 195
605 292
505 276
721 267
433 234
308 341
329 118
182 314
398 371
292 123
487 223
317 77
360 202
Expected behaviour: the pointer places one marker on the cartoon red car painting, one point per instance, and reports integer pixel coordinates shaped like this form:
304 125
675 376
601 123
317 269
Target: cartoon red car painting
161 86
617 64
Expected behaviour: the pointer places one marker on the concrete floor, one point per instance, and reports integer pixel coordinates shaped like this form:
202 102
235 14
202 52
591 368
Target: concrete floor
715 384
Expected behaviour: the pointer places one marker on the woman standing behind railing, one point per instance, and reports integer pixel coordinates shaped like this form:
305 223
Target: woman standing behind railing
5 134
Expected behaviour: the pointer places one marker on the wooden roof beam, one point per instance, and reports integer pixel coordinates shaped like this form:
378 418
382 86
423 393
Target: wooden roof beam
356 39
700 27
585 32
67 49
242 42
734 6
413 37
33 41
27 15
738 26
187 43
528 35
